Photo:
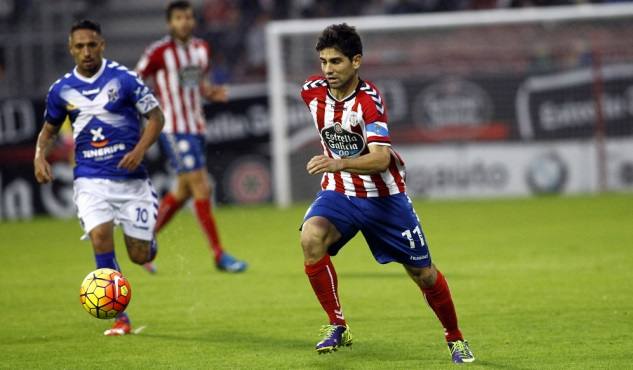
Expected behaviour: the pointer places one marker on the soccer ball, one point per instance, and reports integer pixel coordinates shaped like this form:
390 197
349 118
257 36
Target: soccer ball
104 293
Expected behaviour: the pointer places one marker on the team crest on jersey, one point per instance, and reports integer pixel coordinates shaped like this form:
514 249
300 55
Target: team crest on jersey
341 142
353 119
338 128
113 94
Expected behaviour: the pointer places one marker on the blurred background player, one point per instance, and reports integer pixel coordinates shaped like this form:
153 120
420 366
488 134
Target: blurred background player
178 64
103 101
363 189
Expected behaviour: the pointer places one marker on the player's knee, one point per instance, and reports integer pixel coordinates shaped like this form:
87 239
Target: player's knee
199 185
139 251
313 241
139 255
425 277
312 236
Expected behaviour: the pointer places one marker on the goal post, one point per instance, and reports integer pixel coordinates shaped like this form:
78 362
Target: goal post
459 81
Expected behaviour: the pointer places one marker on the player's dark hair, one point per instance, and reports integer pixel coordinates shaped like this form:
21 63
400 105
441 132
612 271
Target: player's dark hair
86 24
176 5
342 37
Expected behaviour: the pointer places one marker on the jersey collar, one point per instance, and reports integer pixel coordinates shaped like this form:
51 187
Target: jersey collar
94 77
180 43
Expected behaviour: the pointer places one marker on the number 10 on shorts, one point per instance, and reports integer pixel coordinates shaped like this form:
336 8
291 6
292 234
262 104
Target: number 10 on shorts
409 235
141 215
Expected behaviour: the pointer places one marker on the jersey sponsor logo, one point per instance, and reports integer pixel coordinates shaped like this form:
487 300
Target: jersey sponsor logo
98 139
190 76
341 142
102 154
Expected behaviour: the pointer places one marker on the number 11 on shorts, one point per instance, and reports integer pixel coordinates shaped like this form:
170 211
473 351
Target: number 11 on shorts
407 234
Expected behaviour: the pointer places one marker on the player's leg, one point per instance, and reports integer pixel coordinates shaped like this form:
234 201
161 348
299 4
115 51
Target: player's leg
96 216
96 203
394 234
140 251
137 215
102 239
326 228
200 188
173 200
438 296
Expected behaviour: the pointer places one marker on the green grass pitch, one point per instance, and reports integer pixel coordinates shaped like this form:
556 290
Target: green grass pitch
541 283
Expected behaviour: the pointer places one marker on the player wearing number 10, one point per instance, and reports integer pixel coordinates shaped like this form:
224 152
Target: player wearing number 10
104 101
363 189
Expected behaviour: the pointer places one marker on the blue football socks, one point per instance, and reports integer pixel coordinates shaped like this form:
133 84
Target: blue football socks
107 260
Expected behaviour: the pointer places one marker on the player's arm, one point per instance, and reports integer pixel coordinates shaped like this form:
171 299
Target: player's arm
376 161
214 93
45 140
155 123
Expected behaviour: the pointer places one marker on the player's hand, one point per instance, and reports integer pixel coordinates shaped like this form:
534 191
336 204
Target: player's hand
320 164
132 160
43 171
216 93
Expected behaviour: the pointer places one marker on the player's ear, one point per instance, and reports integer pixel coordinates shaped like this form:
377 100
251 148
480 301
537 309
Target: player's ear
356 61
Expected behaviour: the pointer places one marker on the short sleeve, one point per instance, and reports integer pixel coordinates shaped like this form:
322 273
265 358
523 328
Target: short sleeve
140 95
55 112
149 63
205 51
375 116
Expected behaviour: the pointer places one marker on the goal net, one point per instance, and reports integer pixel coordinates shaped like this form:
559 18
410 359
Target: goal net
488 103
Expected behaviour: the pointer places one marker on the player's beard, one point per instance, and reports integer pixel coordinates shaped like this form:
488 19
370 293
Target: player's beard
183 34
91 67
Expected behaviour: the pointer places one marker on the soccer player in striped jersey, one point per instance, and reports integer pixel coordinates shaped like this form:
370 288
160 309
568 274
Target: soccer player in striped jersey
104 101
178 65
363 189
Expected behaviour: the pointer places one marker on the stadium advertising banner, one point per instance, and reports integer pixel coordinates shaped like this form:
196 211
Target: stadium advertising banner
565 104
493 170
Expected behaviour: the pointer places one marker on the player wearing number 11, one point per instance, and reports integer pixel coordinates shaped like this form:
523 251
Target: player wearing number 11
363 189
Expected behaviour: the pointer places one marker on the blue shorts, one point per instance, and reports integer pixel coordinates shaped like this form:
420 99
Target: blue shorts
389 224
185 151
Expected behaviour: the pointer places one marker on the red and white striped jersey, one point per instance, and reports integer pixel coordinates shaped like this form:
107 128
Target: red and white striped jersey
347 127
177 71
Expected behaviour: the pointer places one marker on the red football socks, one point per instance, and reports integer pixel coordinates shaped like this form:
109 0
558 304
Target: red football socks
168 208
439 298
207 222
324 282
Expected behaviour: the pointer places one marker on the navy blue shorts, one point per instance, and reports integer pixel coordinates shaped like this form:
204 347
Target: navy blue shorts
389 224
185 151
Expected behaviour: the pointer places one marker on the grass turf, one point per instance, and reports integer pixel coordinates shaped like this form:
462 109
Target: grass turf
538 283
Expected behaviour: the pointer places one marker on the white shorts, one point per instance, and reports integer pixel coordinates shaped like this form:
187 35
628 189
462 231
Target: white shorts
132 204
